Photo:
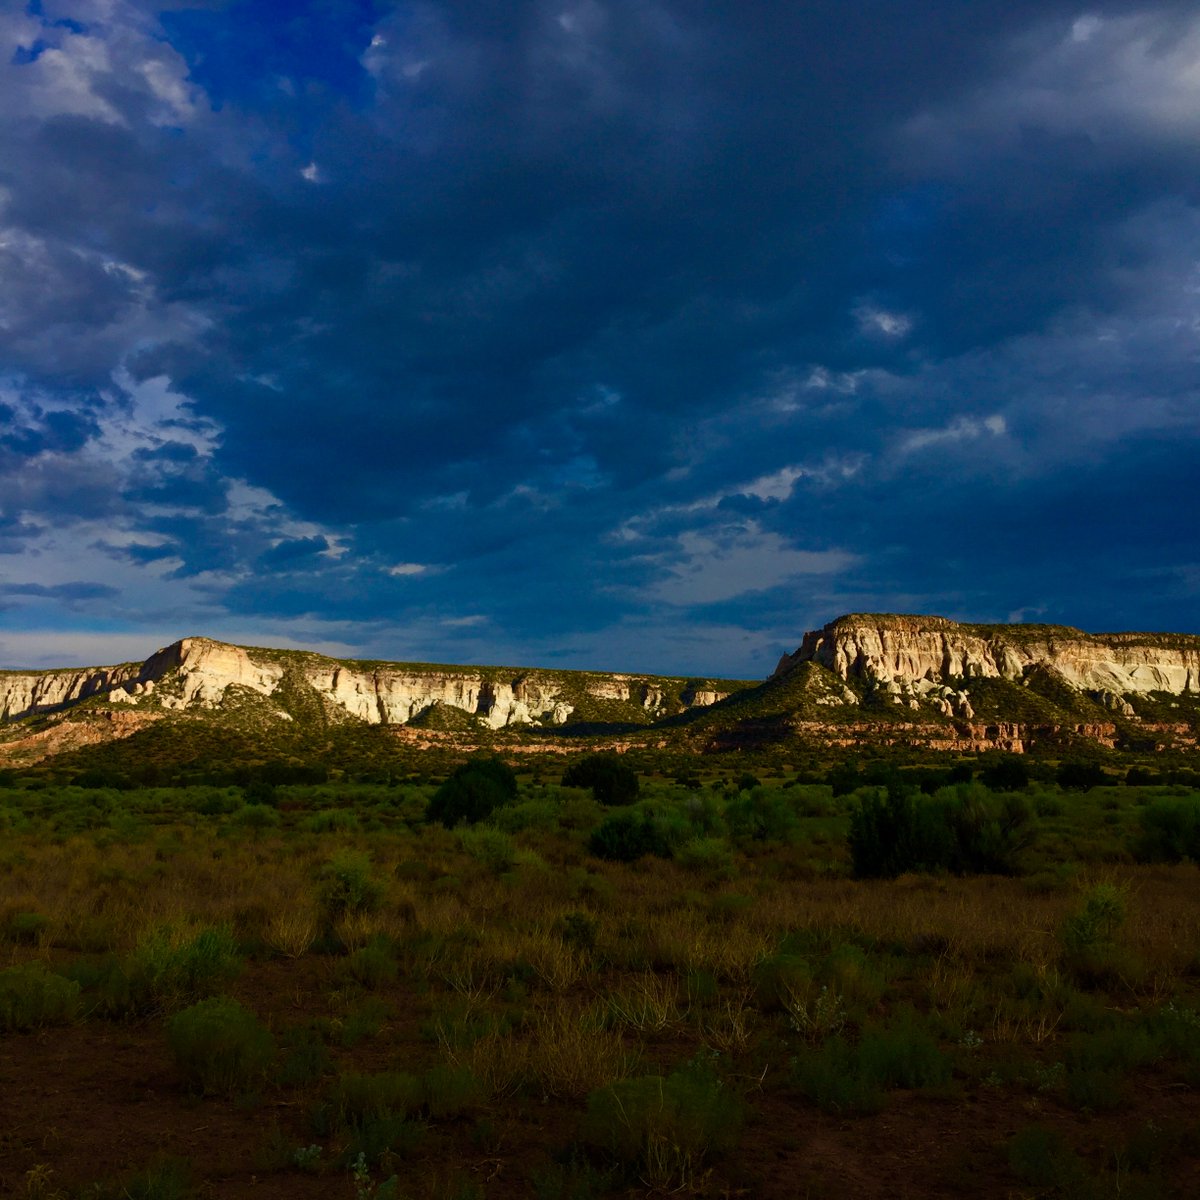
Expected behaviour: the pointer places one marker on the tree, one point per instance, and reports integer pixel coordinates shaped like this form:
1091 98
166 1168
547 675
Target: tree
1006 773
612 782
473 792
1080 776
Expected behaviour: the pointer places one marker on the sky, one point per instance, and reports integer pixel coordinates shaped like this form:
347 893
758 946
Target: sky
608 334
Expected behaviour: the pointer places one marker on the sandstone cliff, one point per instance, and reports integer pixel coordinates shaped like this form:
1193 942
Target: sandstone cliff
918 681
935 661
198 673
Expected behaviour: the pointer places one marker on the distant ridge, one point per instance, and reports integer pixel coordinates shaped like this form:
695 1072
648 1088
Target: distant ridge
198 673
862 679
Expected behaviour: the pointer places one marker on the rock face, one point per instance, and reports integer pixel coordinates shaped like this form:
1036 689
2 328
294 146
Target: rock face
916 659
22 694
861 679
199 673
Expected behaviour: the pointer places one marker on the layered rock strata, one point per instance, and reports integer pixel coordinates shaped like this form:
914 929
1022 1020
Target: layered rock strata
932 659
199 673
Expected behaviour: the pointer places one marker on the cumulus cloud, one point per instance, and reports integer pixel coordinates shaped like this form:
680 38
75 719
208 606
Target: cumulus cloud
96 59
1107 80
961 429
383 325
732 560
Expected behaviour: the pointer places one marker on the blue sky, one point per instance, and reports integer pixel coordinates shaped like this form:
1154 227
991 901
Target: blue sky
620 334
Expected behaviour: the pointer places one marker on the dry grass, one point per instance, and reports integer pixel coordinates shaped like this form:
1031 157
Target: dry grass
572 1054
649 1003
562 1049
686 940
292 931
559 981
103 895
556 965
730 1027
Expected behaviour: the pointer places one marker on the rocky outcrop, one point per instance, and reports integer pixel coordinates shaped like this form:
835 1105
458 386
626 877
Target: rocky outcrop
198 673
23 693
66 735
932 659
862 678
394 696
957 737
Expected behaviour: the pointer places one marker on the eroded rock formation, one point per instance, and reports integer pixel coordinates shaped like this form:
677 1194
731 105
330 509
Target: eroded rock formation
932 659
199 673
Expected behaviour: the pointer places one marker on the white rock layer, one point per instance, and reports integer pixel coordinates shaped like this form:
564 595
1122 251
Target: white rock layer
932 658
196 673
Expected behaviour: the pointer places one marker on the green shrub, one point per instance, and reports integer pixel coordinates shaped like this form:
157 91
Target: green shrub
530 814
217 804
1043 1158
1177 1031
839 1076
831 1076
628 836
1096 1090
1080 776
1096 923
989 831
1141 777
849 970
32 997
1098 1061
1119 1048
388 1134
1170 831
663 1128
708 854
219 1046
1048 804
365 1021
892 832
1005 773
494 850
778 978
473 793
167 971
761 815
359 1097
965 829
451 1092
374 964
256 817
903 1055
1155 1144
571 1180
348 887
261 793
305 1057
25 928
331 820
1088 937
612 781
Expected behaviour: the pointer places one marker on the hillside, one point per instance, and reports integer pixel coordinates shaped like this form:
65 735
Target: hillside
864 679
929 681
256 689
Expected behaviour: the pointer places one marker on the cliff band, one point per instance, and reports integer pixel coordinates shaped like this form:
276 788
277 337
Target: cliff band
914 659
200 673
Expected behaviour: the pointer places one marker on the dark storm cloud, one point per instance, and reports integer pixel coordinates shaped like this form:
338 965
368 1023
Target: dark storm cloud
574 314
34 431
78 591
